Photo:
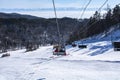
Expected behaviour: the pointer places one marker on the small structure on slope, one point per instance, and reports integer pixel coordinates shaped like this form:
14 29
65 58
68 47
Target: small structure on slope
116 46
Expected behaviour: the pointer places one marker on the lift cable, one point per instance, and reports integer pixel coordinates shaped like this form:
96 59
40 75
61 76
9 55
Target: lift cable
83 12
85 9
83 29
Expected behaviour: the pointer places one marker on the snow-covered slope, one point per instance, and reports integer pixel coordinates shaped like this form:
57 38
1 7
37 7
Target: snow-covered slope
97 62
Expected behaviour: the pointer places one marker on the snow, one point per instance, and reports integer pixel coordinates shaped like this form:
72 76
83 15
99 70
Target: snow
97 62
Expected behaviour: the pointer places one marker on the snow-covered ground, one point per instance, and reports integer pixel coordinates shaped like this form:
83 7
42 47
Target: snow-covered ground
97 62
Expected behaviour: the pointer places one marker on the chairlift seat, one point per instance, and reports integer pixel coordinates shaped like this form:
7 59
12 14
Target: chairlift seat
82 46
74 45
116 46
58 50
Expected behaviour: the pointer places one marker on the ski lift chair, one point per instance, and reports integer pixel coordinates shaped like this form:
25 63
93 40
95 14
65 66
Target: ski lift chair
59 50
82 46
116 46
74 45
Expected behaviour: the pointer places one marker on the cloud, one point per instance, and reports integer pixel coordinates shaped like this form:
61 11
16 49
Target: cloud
60 14
44 8
48 9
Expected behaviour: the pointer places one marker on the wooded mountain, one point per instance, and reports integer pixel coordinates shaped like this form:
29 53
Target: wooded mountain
97 24
16 15
18 31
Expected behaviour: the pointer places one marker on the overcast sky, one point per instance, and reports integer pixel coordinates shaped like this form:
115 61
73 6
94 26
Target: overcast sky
44 8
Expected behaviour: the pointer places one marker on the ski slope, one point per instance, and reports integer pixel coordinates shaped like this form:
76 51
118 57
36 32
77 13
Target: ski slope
93 63
98 62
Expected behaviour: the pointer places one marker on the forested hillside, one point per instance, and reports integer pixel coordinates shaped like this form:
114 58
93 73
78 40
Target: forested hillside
97 24
19 32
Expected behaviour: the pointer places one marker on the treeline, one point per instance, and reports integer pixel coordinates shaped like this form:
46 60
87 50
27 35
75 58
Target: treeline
30 33
97 24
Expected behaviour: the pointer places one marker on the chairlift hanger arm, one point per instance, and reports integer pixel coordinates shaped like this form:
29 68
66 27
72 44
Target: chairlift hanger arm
58 29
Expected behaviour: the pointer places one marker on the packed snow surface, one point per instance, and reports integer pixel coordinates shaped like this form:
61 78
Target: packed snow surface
98 61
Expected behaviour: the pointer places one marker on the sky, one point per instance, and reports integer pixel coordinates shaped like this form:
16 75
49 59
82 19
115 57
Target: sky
65 8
